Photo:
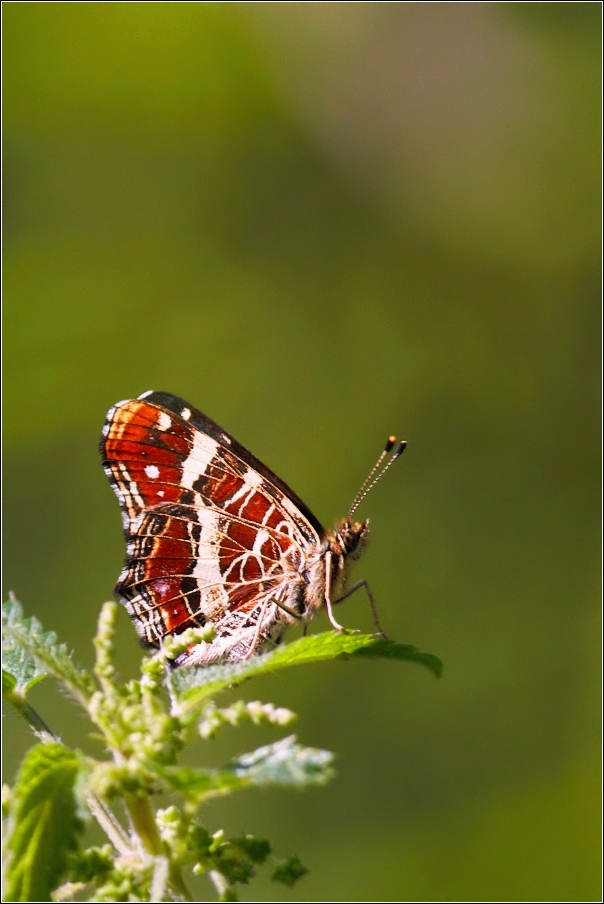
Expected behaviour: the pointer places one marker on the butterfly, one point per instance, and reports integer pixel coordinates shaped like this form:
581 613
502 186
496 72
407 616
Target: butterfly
212 535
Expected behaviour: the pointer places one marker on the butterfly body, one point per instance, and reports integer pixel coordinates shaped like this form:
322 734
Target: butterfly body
212 535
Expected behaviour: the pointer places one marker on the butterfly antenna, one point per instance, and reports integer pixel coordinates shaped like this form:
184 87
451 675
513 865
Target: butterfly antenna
371 480
389 444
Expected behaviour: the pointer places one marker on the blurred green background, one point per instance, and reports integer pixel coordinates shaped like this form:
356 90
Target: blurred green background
322 223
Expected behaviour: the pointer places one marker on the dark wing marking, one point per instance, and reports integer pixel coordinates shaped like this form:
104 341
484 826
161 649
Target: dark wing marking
206 425
208 527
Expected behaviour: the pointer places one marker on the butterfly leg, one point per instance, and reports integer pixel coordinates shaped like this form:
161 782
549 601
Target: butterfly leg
287 609
352 590
336 624
254 642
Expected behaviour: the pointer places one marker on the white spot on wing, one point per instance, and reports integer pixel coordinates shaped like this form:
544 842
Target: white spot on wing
164 421
160 493
144 395
252 479
152 471
186 413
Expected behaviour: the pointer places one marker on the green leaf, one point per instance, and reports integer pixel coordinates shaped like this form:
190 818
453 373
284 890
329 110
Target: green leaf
197 784
20 670
42 825
282 763
289 871
194 683
9 683
29 653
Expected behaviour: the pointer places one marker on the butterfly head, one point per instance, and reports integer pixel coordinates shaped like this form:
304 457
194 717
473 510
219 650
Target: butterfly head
350 538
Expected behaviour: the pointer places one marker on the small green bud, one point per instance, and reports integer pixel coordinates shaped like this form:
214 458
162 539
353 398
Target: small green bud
200 839
174 646
132 716
92 864
135 739
217 841
103 642
107 780
169 815
172 830
134 688
96 706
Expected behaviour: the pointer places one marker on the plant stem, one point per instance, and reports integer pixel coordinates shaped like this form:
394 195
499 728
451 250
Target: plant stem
108 822
143 822
160 879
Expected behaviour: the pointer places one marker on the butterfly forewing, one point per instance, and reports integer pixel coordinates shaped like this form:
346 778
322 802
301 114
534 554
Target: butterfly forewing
210 531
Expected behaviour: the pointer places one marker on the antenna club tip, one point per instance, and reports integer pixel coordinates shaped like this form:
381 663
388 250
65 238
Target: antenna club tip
400 448
389 443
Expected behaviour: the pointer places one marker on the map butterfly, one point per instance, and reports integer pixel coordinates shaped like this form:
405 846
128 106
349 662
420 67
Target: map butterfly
213 536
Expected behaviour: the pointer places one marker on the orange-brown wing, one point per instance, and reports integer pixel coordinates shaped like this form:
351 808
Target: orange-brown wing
209 529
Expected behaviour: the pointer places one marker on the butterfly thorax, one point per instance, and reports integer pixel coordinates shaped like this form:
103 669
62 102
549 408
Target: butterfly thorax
347 543
340 548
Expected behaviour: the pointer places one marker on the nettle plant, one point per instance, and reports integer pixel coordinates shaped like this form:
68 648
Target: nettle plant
145 724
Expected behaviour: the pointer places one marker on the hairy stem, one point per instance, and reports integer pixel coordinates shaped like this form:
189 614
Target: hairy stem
108 822
143 822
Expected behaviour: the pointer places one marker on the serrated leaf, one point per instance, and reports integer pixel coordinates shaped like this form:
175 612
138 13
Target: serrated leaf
29 653
283 763
18 663
43 825
193 683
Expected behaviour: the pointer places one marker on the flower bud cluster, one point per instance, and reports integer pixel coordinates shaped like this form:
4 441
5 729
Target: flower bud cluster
103 642
259 713
125 884
108 780
174 646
